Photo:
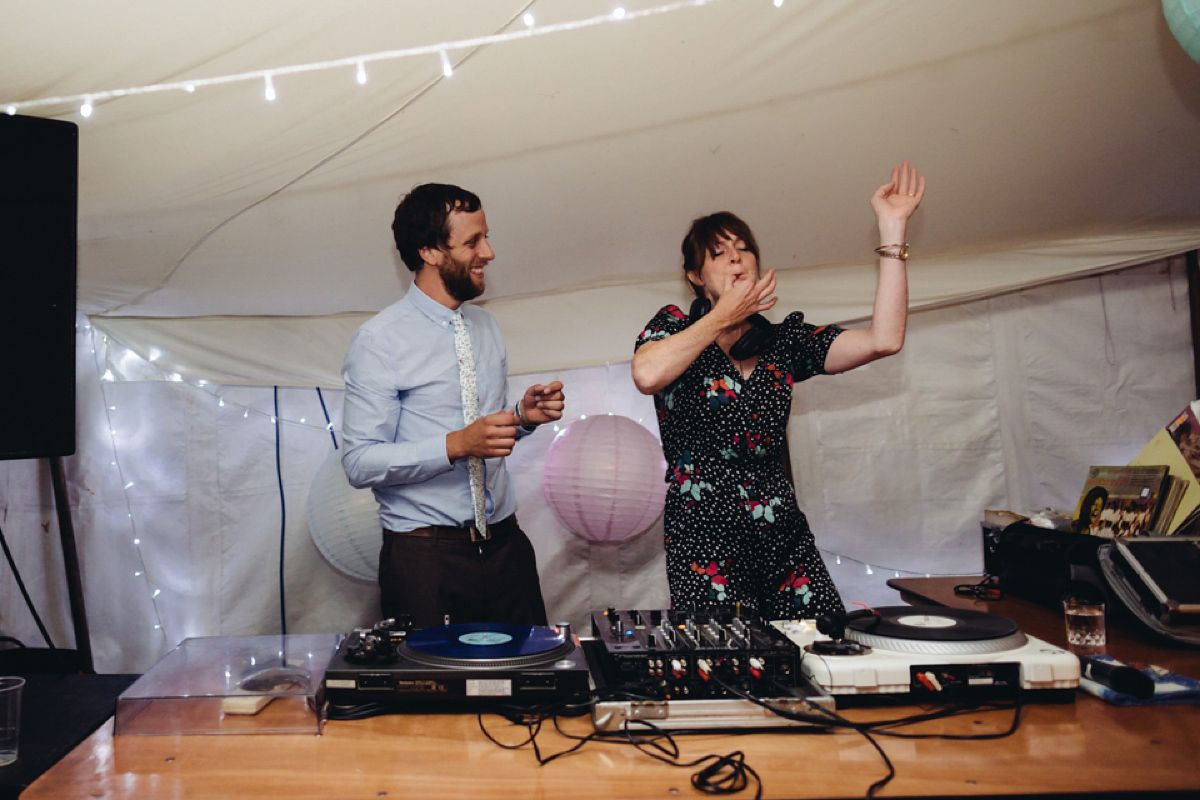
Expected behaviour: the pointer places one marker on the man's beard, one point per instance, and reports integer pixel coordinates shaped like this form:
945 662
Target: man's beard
456 277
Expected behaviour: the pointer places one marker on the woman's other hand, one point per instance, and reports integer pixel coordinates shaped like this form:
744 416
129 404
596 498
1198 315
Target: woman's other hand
896 200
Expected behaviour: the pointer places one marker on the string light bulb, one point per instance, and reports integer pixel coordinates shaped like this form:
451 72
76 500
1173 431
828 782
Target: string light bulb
191 87
778 3
619 12
361 74
447 70
269 90
528 19
10 110
85 110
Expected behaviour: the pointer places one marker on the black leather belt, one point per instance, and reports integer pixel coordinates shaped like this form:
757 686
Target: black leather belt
496 531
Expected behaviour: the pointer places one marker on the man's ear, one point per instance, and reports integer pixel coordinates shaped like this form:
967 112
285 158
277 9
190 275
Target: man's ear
432 255
694 278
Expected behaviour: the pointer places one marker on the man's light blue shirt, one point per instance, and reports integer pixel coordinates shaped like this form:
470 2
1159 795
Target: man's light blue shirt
403 397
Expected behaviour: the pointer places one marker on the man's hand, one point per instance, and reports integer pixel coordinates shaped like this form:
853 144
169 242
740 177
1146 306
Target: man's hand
542 404
492 436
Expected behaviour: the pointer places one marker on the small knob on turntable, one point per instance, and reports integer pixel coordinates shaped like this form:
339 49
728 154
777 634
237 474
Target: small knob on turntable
564 629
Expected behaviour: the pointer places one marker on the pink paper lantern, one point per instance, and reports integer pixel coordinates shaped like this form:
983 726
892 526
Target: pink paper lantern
604 478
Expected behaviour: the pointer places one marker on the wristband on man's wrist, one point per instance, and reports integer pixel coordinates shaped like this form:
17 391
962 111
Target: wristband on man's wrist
529 426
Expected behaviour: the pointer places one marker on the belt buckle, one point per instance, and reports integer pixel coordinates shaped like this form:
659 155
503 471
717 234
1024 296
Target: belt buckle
476 536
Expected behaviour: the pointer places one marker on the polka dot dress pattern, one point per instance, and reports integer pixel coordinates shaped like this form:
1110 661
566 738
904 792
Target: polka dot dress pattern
733 530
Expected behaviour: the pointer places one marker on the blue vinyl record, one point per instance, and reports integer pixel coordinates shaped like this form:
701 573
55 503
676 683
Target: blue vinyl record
486 644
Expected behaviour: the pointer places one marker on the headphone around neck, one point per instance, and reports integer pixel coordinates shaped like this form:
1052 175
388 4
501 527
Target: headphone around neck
760 336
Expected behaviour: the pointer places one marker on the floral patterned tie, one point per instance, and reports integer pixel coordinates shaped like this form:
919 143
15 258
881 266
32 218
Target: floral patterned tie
470 402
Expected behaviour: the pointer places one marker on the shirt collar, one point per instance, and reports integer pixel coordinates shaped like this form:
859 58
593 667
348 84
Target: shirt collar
432 308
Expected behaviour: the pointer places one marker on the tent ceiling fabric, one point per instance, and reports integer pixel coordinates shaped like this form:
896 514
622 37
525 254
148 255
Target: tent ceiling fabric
1048 131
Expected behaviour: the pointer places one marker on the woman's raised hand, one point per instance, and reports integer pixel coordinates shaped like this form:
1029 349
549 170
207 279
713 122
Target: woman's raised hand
897 199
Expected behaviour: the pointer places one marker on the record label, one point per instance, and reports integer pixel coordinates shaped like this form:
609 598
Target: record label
926 621
485 638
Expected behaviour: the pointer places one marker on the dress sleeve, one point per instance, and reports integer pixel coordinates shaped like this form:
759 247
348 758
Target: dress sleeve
669 320
809 345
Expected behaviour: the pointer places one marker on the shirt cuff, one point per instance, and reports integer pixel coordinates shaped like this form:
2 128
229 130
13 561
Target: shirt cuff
432 452
528 427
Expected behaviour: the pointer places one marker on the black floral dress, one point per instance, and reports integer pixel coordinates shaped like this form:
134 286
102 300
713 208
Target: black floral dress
733 530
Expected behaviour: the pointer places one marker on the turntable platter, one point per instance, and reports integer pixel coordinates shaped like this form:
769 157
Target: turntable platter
935 630
491 645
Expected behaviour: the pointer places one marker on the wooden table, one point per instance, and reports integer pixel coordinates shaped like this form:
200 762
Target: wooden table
1082 746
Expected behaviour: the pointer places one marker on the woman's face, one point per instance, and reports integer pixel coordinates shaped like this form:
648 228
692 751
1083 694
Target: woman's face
729 262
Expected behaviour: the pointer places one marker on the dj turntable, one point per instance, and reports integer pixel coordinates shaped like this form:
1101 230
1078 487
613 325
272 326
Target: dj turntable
472 664
933 653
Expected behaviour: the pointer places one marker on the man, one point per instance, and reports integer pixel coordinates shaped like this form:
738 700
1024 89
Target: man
406 436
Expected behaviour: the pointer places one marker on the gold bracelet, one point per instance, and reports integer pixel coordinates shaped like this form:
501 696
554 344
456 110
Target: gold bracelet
899 251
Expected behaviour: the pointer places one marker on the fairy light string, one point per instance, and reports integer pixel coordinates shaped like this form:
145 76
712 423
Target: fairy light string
141 573
358 63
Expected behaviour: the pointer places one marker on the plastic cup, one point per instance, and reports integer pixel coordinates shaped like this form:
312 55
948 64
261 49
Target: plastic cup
1086 635
10 718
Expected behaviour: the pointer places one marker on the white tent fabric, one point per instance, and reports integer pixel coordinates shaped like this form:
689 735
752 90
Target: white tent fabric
230 243
584 327
1045 129
999 403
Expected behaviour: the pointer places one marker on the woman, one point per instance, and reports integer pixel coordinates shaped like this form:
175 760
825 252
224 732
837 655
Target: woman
722 379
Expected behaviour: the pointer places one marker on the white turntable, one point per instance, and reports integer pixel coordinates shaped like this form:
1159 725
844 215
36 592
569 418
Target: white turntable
935 653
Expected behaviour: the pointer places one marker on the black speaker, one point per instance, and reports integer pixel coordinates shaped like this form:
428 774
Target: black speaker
39 165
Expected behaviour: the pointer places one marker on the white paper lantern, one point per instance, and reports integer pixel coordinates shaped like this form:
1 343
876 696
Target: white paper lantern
344 521
604 478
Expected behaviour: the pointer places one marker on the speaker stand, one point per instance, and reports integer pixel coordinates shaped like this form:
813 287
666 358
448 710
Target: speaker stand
66 532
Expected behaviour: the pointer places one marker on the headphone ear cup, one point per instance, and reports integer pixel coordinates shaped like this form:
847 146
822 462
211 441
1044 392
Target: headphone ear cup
700 307
760 336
